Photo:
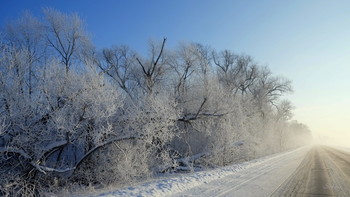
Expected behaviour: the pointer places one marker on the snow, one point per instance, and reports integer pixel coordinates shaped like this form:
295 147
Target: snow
342 148
259 176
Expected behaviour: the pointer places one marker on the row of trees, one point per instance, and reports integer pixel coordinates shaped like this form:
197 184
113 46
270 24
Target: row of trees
74 114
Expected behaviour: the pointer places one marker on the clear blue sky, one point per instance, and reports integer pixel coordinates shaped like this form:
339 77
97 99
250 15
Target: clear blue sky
307 41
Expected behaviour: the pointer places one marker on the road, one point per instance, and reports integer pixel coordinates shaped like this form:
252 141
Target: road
315 171
325 171
307 171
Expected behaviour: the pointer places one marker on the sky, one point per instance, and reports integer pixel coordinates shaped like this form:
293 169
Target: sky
307 42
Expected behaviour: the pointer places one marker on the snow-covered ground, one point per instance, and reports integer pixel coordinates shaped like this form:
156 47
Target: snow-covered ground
259 177
342 148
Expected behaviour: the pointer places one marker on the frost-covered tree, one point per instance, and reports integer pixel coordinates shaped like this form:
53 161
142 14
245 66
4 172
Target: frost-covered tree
25 35
119 63
73 114
152 70
66 36
70 117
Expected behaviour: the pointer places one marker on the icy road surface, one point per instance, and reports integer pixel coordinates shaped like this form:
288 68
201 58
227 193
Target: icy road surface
260 177
325 171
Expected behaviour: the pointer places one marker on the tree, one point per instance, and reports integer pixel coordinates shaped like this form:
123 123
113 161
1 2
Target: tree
247 72
184 64
284 110
226 61
65 34
119 63
49 135
268 89
153 69
26 35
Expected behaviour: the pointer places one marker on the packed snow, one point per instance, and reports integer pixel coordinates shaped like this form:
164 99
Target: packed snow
244 178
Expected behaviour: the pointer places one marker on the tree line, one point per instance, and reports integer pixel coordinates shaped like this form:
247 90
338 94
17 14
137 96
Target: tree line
72 114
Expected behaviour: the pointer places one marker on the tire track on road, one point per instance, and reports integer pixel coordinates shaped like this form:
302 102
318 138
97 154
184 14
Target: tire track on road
324 172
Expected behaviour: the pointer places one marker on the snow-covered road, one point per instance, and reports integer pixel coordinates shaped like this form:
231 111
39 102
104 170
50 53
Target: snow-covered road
260 177
325 171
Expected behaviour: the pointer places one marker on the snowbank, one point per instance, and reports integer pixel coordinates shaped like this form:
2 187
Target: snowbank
172 185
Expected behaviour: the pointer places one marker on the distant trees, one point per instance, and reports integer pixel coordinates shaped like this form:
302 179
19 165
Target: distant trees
73 114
